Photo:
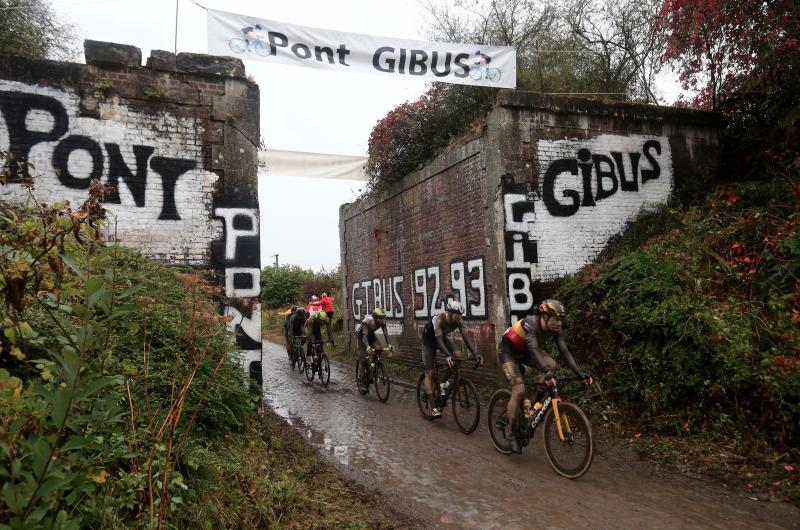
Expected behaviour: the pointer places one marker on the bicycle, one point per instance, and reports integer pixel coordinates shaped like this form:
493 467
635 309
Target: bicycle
298 356
566 429
376 373
319 363
478 71
239 45
465 402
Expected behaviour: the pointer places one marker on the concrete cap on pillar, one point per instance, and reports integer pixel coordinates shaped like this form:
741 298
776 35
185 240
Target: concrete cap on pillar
198 63
162 60
99 53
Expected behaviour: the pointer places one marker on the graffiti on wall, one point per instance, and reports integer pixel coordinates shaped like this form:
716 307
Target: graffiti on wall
386 293
464 281
242 266
588 191
521 250
162 194
163 201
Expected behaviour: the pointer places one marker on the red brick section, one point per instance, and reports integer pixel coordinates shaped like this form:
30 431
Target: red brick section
434 223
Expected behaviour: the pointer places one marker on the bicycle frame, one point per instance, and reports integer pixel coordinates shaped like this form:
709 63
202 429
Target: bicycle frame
552 399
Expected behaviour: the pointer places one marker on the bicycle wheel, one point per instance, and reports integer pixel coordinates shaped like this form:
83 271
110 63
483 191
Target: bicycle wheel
499 424
475 73
466 406
324 370
362 387
381 381
493 74
571 457
311 368
423 400
238 45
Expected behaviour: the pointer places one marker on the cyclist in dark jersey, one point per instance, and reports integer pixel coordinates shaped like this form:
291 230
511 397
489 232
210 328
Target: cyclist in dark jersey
297 324
520 346
435 337
314 325
286 330
368 340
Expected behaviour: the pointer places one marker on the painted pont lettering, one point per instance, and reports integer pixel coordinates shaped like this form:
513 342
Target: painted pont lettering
609 176
15 106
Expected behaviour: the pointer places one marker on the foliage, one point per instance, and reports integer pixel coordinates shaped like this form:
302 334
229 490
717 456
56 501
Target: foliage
30 28
329 282
412 133
291 284
282 286
112 371
598 47
708 338
719 44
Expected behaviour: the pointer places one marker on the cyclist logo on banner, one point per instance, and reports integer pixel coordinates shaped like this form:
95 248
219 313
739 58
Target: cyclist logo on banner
480 68
254 40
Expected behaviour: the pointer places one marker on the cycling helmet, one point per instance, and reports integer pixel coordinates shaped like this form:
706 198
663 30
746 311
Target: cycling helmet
552 307
454 306
379 313
260 26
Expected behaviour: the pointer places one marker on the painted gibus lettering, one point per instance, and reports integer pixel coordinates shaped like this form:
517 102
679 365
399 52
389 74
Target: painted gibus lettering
397 311
16 106
609 173
386 294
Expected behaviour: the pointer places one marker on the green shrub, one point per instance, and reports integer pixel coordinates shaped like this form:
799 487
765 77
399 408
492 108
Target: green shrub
698 326
113 372
282 286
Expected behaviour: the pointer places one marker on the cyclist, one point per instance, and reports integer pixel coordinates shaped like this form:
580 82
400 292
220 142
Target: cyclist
253 34
520 346
297 324
434 337
286 330
314 325
326 302
368 340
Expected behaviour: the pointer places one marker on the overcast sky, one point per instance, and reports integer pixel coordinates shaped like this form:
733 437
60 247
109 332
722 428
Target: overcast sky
302 109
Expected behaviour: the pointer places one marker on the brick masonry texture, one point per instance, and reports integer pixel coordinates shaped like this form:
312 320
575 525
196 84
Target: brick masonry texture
536 197
180 147
433 231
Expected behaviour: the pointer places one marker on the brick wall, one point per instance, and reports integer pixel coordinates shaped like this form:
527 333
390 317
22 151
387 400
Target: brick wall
574 173
535 198
178 140
418 247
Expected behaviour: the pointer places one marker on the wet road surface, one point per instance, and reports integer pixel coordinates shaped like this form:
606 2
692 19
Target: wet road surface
433 472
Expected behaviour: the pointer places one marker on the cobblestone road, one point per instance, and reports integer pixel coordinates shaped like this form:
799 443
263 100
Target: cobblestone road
433 472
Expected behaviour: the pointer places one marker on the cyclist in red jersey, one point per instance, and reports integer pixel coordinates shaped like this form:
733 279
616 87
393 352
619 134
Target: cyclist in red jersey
520 346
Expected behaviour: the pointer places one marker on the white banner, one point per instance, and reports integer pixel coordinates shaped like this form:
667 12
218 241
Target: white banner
316 165
248 37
